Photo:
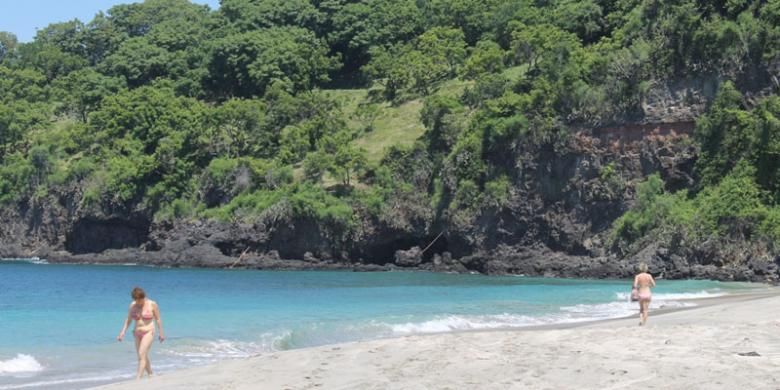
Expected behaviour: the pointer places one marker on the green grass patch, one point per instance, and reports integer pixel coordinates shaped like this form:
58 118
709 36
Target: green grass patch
393 124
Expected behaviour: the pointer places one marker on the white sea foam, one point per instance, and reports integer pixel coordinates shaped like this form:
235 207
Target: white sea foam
567 314
624 296
219 349
461 322
31 260
67 381
604 311
21 364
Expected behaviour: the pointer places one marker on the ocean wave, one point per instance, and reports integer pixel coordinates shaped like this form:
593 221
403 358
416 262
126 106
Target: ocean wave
325 333
21 364
566 315
611 310
68 381
624 296
219 349
458 322
31 260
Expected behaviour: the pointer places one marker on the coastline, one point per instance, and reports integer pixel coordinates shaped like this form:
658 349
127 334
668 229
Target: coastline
686 347
592 269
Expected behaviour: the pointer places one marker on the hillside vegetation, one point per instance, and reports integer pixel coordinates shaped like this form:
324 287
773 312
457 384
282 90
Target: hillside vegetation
339 110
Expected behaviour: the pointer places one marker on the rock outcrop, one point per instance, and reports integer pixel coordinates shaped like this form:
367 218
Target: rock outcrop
562 201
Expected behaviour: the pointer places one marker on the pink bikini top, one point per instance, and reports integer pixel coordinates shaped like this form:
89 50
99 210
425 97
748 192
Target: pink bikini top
137 313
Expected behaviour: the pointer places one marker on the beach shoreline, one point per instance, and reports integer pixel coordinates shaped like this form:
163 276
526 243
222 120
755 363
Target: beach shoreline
683 348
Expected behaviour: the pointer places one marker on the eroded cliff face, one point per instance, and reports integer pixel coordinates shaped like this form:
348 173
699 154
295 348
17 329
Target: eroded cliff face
562 202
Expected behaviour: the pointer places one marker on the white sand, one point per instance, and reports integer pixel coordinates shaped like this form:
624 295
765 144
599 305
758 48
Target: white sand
690 349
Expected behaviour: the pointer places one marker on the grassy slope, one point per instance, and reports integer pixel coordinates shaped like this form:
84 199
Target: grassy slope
395 124
398 124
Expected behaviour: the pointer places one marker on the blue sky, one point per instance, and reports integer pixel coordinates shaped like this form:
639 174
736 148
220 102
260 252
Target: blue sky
23 17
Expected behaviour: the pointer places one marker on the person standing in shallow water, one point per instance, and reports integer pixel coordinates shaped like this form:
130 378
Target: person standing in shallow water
643 282
144 312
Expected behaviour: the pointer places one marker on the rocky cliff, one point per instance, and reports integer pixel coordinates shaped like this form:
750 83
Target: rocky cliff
562 201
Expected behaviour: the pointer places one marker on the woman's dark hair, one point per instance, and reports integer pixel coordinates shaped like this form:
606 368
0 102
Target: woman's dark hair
138 293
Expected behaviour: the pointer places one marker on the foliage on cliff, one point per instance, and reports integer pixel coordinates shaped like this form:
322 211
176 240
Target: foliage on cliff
174 110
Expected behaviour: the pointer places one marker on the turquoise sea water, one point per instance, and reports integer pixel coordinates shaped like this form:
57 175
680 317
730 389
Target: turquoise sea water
58 323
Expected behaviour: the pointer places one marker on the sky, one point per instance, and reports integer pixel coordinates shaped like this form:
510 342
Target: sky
23 17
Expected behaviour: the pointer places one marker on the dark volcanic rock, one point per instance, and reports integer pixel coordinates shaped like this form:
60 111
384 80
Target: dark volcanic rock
92 235
409 258
554 221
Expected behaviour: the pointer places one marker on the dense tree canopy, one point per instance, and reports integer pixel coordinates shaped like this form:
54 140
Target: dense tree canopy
174 110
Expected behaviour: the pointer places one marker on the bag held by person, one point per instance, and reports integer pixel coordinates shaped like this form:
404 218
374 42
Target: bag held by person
634 294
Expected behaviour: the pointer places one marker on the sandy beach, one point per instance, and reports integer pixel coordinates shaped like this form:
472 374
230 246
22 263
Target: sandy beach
726 343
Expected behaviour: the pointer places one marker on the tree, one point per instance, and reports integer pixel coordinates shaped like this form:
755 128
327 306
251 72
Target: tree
434 56
139 61
367 113
82 91
347 162
239 130
385 69
486 87
486 58
148 115
424 72
245 64
339 157
147 141
768 145
474 17
584 18
99 38
315 165
626 73
49 59
445 46
179 34
725 133
138 19
358 27
736 196
18 118
24 106
439 130
67 37
8 44
717 47
22 84
532 45
294 144
41 161
249 15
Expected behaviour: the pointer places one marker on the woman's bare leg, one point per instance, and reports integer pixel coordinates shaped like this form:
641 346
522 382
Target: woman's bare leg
138 354
641 312
144 344
148 360
645 308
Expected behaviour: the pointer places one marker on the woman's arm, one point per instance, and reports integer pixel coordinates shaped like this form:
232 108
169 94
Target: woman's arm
652 281
124 327
636 281
158 318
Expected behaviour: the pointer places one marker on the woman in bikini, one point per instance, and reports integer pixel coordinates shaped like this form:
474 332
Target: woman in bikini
642 283
144 312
